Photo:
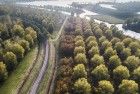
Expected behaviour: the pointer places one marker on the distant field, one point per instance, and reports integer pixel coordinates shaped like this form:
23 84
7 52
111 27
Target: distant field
109 19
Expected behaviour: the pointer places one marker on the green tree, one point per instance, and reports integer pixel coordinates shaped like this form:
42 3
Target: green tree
25 44
90 38
79 49
100 73
108 53
82 86
96 60
105 87
125 53
10 60
80 58
108 34
114 61
132 62
18 30
18 51
127 41
119 47
79 71
98 33
136 75
105 45
93 51
128 87
120 73
92 44
50 28
114 41
102 39
80 43
134 46
77 38
29 38
3 72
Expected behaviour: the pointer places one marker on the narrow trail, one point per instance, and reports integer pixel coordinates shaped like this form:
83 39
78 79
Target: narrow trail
41 72
49 49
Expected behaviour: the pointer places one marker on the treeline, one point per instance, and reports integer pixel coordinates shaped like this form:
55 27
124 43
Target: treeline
45 22
16 40
96 59
132 24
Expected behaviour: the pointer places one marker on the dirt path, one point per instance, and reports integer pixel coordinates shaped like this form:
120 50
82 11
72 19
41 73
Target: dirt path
41 72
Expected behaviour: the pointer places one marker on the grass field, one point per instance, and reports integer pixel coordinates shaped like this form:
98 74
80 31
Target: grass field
13 82
109 19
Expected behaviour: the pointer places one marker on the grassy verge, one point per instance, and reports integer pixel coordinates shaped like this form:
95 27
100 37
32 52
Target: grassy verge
34 73
10 86
109 19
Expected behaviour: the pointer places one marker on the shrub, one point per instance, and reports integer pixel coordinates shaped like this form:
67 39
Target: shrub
77 38
102 39
98 33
